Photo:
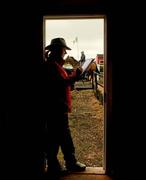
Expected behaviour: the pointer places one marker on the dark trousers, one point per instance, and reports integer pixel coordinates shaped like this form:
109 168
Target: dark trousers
58 135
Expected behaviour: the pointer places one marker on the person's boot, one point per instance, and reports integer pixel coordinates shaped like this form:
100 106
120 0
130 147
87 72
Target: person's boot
76 167
55 170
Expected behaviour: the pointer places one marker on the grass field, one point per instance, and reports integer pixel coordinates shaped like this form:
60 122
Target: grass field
87 128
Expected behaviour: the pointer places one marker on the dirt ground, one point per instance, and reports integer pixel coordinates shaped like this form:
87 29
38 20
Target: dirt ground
87 127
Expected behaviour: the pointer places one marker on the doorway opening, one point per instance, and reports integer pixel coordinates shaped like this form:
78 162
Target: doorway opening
85 34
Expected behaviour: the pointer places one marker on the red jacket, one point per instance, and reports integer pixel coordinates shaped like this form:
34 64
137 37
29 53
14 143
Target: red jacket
58 87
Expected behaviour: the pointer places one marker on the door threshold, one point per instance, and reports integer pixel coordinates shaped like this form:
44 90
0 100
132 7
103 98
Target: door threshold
92 170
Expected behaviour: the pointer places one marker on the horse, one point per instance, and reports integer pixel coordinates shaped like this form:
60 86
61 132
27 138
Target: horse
71 60
88 74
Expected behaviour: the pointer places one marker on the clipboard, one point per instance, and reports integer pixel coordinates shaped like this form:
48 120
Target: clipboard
86 64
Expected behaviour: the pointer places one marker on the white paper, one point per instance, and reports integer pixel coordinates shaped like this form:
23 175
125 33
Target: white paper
86 64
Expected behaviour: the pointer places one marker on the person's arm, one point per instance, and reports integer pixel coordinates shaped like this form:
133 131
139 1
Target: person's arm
75 75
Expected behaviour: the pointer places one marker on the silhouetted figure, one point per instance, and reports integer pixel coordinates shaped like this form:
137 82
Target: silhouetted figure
57 94
83 58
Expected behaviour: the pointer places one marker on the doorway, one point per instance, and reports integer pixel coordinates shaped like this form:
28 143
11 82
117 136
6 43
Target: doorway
85 34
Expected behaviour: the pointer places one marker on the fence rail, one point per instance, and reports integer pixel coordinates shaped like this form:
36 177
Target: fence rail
98 80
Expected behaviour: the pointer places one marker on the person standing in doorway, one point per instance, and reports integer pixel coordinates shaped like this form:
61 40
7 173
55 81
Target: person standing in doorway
57 94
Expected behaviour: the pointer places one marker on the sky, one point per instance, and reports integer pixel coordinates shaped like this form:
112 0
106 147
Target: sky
80 35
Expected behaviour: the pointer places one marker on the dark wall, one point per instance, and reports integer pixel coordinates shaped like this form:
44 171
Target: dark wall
21 116
21 112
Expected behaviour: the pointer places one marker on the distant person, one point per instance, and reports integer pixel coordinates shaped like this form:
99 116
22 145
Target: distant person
83 58
57 94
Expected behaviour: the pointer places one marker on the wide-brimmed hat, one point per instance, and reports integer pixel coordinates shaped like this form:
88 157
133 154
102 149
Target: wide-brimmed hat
57 42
